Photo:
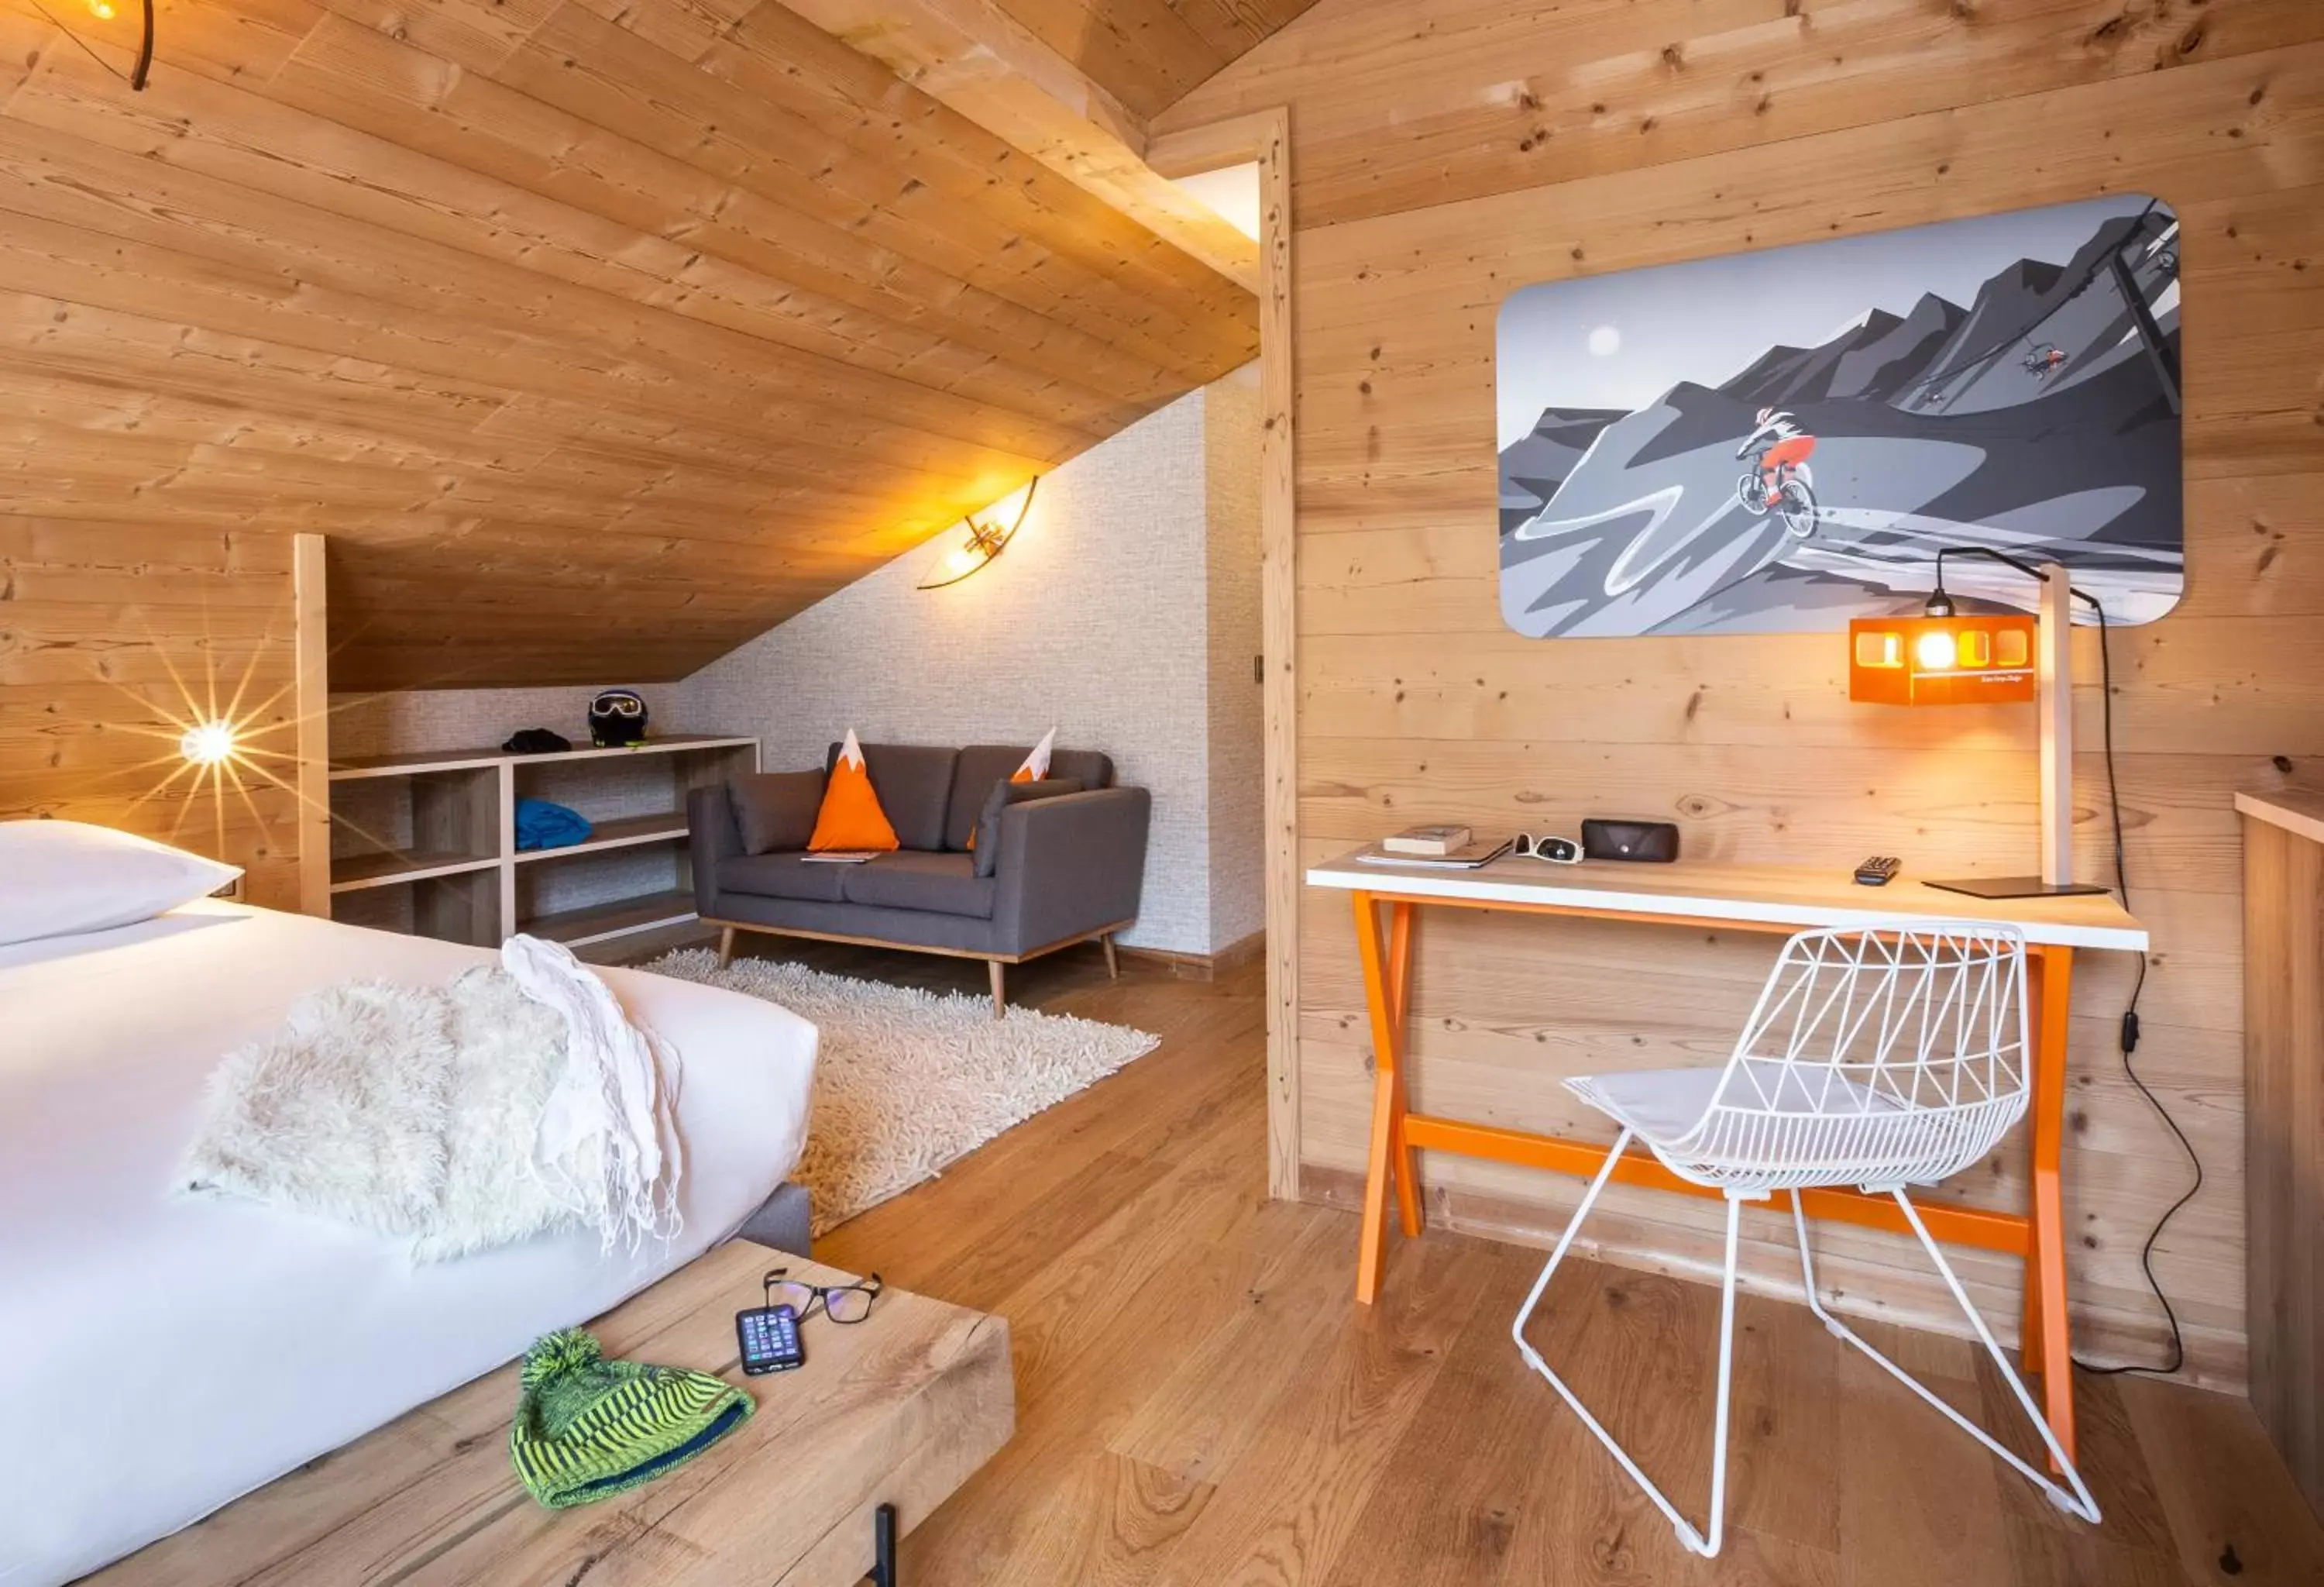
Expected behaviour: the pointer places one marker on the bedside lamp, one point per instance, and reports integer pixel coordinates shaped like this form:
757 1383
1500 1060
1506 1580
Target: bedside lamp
1941 658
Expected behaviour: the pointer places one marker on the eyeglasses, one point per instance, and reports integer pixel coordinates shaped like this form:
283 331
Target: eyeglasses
842 1303
1554 851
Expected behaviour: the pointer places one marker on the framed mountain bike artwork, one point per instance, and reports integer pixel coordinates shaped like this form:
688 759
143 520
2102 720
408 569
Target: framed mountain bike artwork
1780 441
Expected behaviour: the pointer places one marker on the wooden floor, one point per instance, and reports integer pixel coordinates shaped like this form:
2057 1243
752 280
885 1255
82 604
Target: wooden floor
1201 1402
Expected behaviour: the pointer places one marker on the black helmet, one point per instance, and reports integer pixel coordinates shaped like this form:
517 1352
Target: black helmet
617 717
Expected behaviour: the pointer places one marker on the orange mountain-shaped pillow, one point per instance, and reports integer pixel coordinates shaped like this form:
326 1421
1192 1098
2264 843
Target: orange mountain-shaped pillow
1034 769
850 816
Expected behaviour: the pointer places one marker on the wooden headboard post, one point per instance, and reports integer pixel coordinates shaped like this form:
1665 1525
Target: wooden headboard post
312 698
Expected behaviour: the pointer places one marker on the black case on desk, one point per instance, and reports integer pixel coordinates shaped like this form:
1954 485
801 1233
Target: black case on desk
1655 842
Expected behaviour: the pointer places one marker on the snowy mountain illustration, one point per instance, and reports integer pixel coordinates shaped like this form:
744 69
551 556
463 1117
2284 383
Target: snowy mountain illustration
1817 483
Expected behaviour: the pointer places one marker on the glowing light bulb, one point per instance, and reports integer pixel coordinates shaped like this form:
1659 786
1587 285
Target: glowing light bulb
1935 651
208 743
101 9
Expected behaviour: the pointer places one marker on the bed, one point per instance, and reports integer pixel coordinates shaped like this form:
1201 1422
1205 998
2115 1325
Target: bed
162 1354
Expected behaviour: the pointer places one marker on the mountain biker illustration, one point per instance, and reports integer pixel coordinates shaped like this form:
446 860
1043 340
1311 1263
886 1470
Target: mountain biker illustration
1780 479
2044 361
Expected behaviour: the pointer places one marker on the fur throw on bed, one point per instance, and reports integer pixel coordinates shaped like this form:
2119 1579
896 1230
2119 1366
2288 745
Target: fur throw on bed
415 1113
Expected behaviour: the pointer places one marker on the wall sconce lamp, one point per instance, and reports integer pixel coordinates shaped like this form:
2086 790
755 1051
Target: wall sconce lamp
985 542
1941 658
208 743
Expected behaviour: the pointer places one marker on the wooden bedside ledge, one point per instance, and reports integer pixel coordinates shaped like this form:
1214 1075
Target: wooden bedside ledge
2295 809
897 1410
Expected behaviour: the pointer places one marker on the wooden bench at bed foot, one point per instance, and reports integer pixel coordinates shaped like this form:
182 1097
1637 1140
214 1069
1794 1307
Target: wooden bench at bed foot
891 1414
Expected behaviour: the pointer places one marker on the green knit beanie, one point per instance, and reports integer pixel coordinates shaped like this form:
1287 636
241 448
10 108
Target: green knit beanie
588 1428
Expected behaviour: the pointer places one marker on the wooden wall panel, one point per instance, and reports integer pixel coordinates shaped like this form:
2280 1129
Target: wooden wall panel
115 638
2284 1069
1447 153
598 336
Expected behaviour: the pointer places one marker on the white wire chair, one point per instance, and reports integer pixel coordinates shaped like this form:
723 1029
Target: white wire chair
1879 1058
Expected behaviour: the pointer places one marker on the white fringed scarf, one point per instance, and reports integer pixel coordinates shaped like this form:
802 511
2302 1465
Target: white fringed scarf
609 1131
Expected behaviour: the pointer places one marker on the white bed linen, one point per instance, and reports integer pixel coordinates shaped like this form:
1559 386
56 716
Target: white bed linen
162 1354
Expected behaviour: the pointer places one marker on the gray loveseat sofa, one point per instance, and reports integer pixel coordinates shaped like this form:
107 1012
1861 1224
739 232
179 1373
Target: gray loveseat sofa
1053 863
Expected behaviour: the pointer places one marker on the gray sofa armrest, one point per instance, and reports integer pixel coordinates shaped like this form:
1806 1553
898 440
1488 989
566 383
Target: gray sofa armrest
1070 864
711 836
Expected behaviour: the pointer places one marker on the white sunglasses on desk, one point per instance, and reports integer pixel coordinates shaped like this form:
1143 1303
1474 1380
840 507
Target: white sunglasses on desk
1554 851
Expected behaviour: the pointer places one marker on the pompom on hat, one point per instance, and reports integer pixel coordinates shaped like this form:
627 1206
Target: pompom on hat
588 1428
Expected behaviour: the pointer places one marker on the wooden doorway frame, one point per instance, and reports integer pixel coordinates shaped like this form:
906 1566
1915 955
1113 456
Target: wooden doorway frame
1265 136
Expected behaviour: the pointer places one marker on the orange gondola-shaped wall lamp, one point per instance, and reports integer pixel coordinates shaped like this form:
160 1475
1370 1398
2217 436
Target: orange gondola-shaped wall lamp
1943 658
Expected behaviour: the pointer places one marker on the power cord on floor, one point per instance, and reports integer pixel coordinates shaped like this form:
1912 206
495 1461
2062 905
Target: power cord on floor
2129 1034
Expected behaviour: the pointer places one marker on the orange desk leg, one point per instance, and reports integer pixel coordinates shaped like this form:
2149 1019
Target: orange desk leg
1403 1161
2029 1329
2048 1258
1371 1254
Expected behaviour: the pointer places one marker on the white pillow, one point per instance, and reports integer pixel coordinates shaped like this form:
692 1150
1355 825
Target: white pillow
58 878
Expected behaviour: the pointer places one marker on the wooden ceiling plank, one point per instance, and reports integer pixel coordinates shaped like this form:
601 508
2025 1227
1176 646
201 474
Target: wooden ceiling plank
1004 79
170 447
52 462
58 380
779 57
477 34
522 550
367 81
601 74
864 177
1233 27
80 347
534 418
761 50
141 356
1149 53
425 302
249 39
648 93
888 107
742 570
224 132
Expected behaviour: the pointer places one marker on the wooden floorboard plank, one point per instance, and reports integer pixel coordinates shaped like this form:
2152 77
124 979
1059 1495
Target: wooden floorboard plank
2235 1514
1287 1509
1201 1402
1474 1437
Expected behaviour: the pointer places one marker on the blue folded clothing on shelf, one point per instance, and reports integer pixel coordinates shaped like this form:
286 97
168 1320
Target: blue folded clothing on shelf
541 824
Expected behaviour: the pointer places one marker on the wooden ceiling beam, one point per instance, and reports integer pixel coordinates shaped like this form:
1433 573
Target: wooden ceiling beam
973 57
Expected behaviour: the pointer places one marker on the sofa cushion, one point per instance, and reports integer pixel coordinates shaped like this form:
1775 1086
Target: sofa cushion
783 876
775 811
1003 795
942 884
979 767
913 782
1088 768
983 765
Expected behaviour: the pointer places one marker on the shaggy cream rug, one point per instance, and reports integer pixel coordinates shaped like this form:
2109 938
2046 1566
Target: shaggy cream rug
906 1081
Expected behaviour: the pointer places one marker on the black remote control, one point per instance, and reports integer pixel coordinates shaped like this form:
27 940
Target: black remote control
770 1339
1879 871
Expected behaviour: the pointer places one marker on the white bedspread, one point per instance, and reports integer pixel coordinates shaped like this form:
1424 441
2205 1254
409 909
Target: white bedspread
162 1354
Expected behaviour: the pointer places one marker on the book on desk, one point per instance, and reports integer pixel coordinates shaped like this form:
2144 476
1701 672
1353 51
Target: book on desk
1471 857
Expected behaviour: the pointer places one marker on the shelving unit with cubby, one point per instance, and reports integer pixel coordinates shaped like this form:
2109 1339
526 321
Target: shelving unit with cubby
427 843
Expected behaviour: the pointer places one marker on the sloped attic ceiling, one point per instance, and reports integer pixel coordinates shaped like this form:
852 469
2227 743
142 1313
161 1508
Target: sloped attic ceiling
598 335
1150 53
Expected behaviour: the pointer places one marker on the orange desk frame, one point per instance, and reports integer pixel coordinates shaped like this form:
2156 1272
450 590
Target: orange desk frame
1397 1132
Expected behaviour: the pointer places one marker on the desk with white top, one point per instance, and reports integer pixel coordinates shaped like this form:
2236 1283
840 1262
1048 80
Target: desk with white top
1748 898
